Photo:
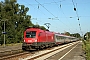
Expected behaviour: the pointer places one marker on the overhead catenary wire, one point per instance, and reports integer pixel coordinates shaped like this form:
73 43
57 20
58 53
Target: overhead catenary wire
35 7
45 8
41 5
49 11
36 19
79 20
38 7
62 12
75 9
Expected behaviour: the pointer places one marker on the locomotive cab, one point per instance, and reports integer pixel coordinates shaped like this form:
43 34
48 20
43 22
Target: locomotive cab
30 39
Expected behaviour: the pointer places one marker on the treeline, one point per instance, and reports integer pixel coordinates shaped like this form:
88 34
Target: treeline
16 20
74 35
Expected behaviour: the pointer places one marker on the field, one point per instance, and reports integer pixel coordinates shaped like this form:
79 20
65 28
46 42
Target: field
86 48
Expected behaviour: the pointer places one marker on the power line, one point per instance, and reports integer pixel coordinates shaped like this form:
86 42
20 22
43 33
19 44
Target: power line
62 12
37 8
45 8
75 9
39 4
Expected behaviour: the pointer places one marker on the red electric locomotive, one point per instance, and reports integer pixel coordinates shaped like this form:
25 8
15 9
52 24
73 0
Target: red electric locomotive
35 38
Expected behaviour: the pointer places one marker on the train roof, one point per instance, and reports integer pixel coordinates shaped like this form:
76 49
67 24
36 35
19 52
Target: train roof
58 34
38 29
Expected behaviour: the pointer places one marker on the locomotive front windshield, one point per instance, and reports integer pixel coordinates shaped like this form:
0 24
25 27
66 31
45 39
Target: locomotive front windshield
31 34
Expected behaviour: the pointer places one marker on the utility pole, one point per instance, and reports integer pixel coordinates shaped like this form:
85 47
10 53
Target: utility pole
4 33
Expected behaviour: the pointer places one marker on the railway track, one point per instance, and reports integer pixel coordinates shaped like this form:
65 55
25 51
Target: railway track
9 52
42 55
14 56
37 55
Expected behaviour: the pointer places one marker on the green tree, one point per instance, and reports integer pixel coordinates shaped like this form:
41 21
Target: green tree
42 27
67 33
75 35
16 20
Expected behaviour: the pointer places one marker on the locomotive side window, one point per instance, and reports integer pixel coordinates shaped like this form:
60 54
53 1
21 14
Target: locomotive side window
31 34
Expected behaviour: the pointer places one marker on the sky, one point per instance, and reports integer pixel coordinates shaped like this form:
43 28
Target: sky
60 14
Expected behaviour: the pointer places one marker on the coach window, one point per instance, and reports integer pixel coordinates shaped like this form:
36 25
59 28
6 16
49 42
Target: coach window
31 34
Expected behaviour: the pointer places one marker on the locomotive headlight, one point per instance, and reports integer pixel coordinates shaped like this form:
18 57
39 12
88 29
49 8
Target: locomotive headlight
35 40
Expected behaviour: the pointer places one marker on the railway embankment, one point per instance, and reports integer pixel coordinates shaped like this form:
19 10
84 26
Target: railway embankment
10 49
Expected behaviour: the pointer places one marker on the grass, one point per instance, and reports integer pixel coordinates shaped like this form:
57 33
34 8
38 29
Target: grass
13 44
86 48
